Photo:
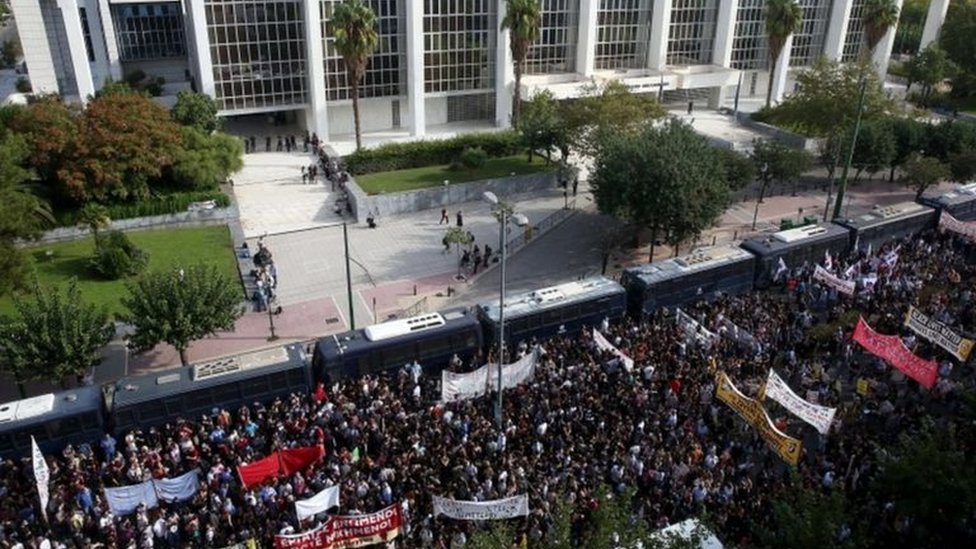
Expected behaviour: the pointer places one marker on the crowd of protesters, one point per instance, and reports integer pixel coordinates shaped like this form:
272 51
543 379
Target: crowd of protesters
581 425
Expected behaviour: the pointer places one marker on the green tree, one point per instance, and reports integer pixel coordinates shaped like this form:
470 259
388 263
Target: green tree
921 172
179 307
496 534
541 125
11 52
777 163
956 36
523 20
54 335
95 217
610 109
196 109
910 137
948 138
878 17
805 518
354 28
826 99
667 179
929 68
739 169
206 160
115 87
908 37
613 524
22 214
874 149
783 18
457 236
50 129
829 151
962 165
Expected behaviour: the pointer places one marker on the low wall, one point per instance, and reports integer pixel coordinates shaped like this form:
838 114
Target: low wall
197 218
443 196
794 140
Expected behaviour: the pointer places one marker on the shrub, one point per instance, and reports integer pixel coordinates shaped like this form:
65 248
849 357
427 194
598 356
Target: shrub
117 257
135 77
418 154
473 158
155 88
23 85
159 205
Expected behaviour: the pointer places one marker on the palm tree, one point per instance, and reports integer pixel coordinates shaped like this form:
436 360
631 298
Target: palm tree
94 216
523 18
354 26
783 18
879 16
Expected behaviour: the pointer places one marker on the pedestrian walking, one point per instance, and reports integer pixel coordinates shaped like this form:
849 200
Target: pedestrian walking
460 219
575 185
444 217
267 144
487 255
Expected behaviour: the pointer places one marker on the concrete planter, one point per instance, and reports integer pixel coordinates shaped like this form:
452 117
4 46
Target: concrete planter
794 140
197 218
443 196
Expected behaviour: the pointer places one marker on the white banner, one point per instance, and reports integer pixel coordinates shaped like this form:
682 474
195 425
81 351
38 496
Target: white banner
477 383
839 284
938 333
819 416
320 502
605 345
124 499
42 476
693 329
946 221
517 506
730 330
181 488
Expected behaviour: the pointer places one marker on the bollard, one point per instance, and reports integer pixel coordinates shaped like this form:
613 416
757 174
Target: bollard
713 239
735 235
414 289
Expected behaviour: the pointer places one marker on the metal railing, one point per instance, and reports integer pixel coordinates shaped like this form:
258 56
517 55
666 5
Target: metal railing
528 233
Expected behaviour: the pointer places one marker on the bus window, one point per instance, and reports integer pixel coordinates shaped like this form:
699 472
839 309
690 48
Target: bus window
226 393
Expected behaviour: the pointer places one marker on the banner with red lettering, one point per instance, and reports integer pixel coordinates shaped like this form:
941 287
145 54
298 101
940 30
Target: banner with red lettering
343 531
297 459
253 474
892 350
949 223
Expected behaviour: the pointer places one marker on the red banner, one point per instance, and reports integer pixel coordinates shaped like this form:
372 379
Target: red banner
297 459
253 474
348 531
894 352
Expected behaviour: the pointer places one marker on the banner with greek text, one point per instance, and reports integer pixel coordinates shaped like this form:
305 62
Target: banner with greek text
348 531
517 506
477 383
319 503
42 476
938 333
730 330
605 345
839 284
892 350
814 414
125 499
694 330
753 412
949 223
520 371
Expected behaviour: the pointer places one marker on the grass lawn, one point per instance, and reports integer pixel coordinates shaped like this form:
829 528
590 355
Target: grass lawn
434 176
167 248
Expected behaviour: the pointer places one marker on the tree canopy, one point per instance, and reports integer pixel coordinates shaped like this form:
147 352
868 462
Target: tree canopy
206 160
878 16
22 214
196 109
783 18
179 307
921 172
667 179
354 28
523 20
543 127
610 109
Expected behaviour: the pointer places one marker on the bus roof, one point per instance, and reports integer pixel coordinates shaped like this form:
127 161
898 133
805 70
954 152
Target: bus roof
784 241
28 411
136 389
959 195
700 260
393 330
877 216
554 296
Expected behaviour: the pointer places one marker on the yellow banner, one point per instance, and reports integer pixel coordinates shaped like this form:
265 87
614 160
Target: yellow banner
753 412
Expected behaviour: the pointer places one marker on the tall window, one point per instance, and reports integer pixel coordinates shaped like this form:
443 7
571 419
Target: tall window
86 34
622 34
387 68
459 45
149 31
854 39
258 52
808 41
555 51
691 35
749 46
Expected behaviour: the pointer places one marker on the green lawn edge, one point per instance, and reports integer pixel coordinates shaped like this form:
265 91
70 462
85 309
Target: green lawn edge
167 248
434 176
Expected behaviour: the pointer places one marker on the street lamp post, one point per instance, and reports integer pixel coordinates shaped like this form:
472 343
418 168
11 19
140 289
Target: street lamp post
504 212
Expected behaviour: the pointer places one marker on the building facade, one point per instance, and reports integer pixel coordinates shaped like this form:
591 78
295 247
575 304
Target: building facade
437 62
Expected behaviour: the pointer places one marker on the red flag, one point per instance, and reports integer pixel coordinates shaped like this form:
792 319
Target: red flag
297 459
253 474
894 352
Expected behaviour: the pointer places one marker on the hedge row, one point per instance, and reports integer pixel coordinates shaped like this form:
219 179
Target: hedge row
418 154
162 205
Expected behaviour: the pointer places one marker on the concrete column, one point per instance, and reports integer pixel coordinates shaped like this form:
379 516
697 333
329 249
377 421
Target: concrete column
76 48
837 29
504 74
933 22
725 32
415 68
197 29
111 41
782 71
586 41
316 113
100 66
37 51
657 51
882 52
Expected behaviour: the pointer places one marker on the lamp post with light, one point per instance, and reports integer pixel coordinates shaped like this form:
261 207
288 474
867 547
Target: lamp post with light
503 212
